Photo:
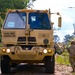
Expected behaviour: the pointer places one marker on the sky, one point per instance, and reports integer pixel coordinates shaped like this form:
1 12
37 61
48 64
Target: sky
64 8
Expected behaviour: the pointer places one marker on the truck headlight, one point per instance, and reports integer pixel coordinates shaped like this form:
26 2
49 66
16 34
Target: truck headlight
8 50
45 51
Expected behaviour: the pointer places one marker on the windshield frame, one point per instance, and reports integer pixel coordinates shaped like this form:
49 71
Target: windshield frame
20 18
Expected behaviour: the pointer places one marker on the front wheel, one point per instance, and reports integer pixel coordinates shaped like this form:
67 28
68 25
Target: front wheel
50 64
5 65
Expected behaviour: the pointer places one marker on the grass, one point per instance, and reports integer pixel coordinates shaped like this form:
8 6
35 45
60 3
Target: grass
0 45
63 59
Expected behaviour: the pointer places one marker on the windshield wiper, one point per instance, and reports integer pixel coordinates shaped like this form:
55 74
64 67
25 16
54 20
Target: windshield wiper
19 15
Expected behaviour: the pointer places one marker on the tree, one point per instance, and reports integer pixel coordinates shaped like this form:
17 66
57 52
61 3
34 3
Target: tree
56 38
11 4
19 4
67 38
1 21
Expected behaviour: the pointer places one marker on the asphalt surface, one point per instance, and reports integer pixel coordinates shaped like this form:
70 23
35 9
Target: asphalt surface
28 70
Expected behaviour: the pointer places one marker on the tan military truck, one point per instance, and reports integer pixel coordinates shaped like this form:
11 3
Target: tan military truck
27 37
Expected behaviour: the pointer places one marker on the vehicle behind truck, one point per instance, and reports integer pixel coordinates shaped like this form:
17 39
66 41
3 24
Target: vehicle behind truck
27 37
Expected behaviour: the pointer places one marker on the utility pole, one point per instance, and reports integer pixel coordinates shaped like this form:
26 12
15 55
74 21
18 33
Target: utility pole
74 28
73 18
74 31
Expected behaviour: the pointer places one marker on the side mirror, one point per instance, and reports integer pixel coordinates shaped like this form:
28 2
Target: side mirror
59 21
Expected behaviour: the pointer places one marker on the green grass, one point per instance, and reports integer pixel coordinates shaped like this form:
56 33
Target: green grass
0 45
63 59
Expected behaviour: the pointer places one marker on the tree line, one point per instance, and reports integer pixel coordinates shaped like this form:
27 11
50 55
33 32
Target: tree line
11 4
66 40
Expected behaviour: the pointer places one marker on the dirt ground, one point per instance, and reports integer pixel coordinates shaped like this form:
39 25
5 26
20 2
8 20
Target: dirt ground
63 70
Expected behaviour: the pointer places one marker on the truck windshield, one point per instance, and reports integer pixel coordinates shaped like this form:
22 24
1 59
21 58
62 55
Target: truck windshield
39 20
15 20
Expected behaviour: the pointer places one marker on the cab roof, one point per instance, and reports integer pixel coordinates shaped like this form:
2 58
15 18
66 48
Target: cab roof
27 10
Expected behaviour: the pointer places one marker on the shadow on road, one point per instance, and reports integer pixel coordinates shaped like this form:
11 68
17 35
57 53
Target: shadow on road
29 70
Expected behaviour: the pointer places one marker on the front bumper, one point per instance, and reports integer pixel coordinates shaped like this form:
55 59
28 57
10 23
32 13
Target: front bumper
26 54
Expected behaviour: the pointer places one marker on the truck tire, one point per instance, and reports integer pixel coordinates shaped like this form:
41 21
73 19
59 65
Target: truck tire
50 64
5 65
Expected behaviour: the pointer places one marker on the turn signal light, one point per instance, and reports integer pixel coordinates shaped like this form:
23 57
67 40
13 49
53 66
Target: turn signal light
3 50
49 51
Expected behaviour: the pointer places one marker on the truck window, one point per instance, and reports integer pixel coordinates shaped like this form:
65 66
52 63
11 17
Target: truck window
39 20
15 20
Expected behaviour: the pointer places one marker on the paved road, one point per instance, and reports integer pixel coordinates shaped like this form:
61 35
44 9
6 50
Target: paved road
29 70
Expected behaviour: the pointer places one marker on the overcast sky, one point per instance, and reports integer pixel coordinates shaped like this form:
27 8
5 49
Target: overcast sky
62 6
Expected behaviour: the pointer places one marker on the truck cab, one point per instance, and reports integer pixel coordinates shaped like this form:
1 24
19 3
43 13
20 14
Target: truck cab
27 37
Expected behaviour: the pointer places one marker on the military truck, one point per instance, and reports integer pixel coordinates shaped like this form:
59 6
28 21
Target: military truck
27 37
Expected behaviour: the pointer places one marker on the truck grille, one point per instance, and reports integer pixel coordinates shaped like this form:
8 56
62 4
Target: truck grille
31 39
22 40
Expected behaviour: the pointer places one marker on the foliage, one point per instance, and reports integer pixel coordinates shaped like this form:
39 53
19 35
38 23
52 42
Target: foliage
67 38
0 38
1 21
63 59
0 45
11 4
56 38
